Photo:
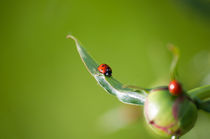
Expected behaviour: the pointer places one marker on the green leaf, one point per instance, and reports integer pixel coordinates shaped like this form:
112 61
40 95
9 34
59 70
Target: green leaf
110 84
203 105
202 92
201 95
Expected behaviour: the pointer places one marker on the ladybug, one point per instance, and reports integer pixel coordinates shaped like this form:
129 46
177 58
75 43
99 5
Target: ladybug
175 88
105 69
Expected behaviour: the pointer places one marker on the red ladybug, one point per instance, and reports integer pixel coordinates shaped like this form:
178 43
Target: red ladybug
105 69
175 88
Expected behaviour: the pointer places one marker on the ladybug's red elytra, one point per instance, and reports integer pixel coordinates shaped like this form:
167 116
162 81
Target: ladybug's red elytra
105 69
175 88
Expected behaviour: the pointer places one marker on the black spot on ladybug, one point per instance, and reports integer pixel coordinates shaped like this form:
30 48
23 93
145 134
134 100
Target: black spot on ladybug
109 74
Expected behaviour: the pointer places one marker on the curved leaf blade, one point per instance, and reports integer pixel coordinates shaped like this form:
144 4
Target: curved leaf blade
111 85
201 97
203 105
202 92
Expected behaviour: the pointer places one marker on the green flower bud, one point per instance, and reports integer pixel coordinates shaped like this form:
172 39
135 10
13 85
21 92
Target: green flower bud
169 115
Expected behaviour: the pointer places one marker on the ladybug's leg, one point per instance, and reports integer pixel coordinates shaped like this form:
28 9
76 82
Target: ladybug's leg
97 73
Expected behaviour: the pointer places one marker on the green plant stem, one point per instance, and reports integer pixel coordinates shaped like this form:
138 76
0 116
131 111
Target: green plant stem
175 52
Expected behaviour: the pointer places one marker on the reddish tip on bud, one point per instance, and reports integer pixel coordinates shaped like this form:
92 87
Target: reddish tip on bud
175 88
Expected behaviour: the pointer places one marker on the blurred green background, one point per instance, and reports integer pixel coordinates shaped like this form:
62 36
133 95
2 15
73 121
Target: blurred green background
46 92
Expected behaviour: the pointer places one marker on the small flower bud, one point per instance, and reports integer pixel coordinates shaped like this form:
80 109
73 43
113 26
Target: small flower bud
169 115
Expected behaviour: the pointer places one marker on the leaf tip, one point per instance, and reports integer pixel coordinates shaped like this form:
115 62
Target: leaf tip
173 49
71 37
170 47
